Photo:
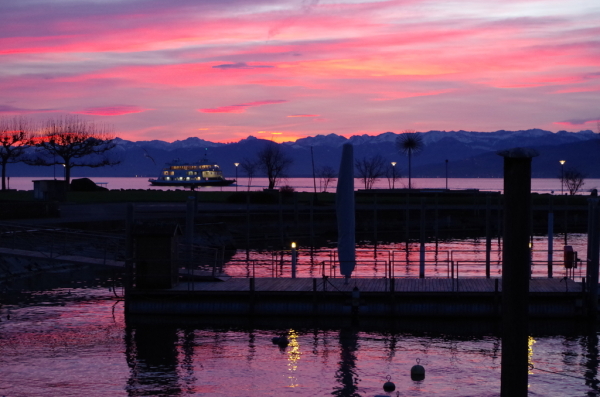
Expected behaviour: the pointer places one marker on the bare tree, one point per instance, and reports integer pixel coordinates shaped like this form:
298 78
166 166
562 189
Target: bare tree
327 174
73 142
409 143
573 180
273 162
249 167
15 138
392 174
370 169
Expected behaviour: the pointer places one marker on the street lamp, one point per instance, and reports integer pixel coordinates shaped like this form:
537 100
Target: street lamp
562 176
294 260
393 174
446 174
236 178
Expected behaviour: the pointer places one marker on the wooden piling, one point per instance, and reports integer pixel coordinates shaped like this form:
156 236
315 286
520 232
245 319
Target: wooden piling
550 238
594 259
488 235
516 272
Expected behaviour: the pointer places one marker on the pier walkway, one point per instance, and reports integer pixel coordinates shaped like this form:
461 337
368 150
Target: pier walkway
369 285
398 297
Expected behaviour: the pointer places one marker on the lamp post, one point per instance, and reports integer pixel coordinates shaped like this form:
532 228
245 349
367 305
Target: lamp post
236 178
294 260
562 176
393 174
446 174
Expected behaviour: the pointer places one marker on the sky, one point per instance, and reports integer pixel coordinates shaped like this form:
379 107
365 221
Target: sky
222 70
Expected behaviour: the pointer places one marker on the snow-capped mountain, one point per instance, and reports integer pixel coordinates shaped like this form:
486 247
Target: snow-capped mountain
470 153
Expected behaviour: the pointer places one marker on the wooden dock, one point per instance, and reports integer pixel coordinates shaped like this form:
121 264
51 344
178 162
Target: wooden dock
473 297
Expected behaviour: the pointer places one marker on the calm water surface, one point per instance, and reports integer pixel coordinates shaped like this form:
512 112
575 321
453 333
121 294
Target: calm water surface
74 340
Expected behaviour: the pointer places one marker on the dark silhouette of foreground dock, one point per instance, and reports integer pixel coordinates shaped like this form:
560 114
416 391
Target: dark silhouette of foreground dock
478 298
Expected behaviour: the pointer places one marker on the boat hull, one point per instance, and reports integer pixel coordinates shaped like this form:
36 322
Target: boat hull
192 184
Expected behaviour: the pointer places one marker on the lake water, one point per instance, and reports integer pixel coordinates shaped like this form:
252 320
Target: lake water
75 341
539 185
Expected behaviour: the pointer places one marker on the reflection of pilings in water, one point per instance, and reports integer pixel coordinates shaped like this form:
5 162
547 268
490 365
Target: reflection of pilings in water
251 346
152 358
347 375
391 347
188 360
591 347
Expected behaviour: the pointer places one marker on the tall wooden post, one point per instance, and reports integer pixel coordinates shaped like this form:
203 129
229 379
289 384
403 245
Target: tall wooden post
129 220
488 235
189 220
375 238
248 228
594 257
516 271
550 238
422 242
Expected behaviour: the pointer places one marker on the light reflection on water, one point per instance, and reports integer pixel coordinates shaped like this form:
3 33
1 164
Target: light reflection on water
82 345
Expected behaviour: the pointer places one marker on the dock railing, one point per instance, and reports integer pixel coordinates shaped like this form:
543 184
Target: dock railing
393 264
56 242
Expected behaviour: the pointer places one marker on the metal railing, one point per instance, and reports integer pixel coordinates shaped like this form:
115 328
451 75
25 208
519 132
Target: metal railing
53 242
390 264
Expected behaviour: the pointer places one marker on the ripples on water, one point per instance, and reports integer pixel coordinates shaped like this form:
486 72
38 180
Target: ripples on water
67 341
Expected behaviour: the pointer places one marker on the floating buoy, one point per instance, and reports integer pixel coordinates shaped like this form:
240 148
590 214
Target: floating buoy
389 386
417 372
281 341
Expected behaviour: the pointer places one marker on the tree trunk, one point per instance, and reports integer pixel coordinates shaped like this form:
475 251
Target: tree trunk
67 169
409 169
4 175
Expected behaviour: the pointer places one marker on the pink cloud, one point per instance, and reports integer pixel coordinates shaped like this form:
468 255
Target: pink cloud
576 122
240 65
304 115
387 96
112 110
571 90
240 108
15 110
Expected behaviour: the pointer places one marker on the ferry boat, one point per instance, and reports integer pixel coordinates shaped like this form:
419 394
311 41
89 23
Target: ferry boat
192 175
